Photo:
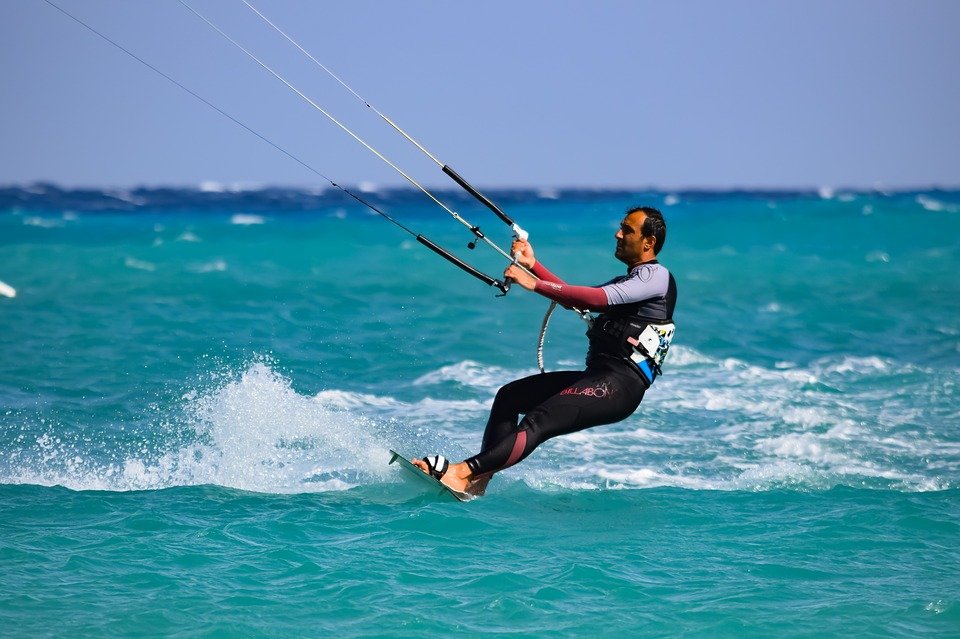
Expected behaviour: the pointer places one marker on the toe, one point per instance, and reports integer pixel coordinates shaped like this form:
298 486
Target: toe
422 465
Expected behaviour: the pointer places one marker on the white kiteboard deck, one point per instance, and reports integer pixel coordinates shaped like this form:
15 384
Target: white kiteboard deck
440 487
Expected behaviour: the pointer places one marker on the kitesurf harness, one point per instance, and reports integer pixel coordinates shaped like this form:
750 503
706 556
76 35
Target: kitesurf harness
642 343
638 332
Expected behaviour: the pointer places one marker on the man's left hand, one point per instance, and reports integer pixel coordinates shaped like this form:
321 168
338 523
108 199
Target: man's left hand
520 276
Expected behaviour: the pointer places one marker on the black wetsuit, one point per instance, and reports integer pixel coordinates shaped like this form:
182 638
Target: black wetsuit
608 391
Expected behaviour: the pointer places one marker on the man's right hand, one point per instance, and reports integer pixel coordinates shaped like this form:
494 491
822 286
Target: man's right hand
525 250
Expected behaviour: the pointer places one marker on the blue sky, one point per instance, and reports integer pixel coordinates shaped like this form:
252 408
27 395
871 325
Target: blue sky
533 94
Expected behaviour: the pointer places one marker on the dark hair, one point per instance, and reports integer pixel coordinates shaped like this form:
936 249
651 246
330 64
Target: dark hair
654 225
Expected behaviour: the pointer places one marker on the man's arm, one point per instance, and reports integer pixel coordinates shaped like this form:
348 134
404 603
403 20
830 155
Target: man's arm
583 297
648 281
546 283
522 250
544 274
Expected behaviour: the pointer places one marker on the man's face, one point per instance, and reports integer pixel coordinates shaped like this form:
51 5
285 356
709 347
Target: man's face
631 245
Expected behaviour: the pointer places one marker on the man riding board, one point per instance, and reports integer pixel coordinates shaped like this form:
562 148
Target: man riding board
628 341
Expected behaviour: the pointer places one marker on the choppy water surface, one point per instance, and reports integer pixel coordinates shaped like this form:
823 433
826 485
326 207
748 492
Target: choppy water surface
196 407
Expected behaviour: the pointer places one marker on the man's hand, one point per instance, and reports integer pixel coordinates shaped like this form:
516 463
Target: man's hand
521 277
525 249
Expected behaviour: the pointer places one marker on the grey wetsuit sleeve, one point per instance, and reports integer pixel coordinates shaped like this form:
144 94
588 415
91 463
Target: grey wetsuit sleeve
644 282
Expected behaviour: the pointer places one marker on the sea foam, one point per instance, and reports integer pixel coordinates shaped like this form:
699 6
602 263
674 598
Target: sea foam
251 432
709 424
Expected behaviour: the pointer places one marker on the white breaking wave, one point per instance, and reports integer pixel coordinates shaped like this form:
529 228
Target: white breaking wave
244 219
42 222
936 206
140 265
188 236
253 433
216 266
708 424
472 374
728 425
211 186
426 409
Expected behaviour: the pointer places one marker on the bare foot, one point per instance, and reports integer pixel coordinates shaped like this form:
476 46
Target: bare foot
456 478
478 485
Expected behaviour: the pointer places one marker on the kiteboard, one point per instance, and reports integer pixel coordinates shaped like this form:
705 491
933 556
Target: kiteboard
439 488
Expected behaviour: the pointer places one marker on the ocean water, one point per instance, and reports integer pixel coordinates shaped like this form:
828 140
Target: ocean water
198 392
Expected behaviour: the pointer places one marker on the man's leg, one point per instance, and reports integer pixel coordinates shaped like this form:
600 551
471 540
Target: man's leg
520 396
511 401
591 399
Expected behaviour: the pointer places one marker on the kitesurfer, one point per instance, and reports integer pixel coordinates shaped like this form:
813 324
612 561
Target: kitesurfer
627 343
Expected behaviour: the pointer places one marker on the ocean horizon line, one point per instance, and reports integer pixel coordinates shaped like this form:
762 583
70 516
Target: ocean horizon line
216 195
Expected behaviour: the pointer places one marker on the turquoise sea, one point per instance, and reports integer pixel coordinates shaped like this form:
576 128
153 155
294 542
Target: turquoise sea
198 391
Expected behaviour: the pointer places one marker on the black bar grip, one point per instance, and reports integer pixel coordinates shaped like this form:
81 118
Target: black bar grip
456 261
477 194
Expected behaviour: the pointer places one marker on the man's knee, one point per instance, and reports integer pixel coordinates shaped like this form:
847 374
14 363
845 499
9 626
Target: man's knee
508 394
